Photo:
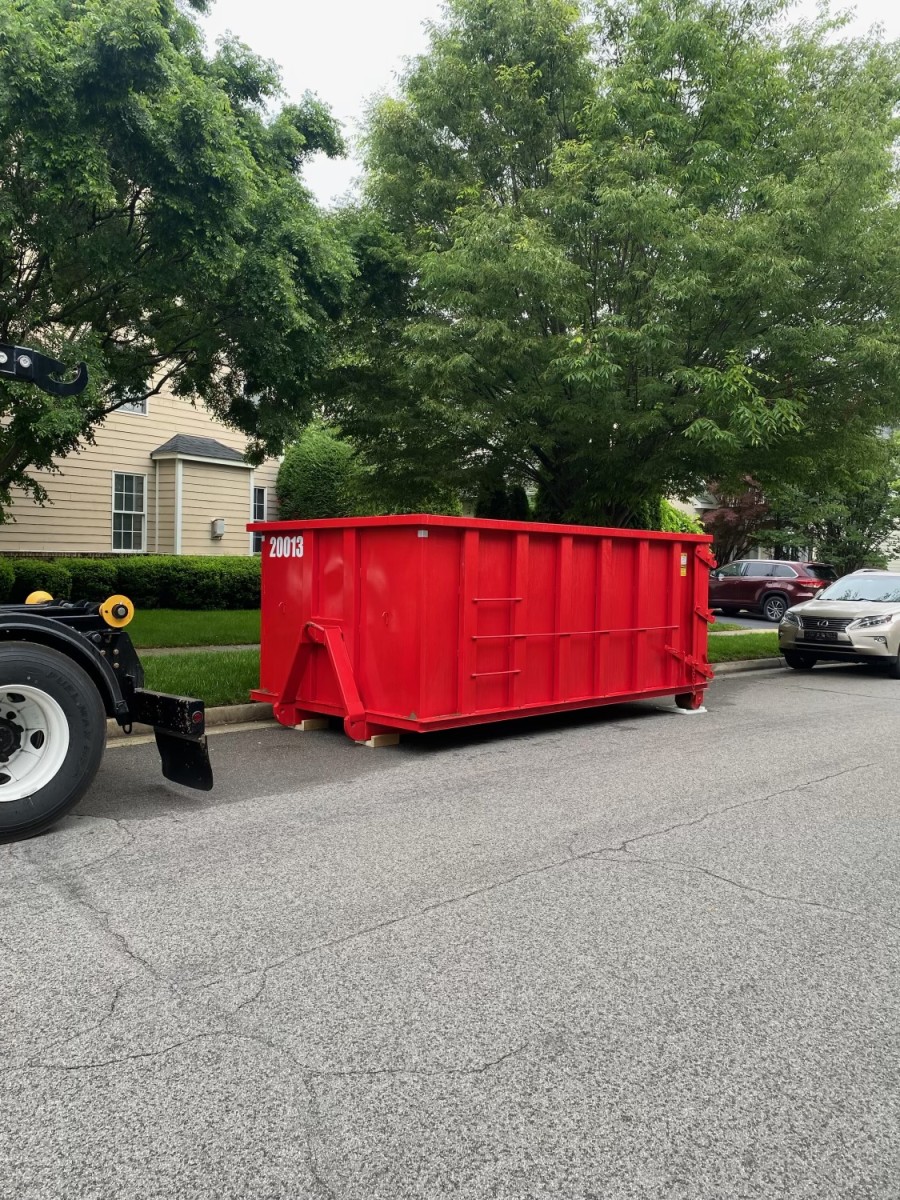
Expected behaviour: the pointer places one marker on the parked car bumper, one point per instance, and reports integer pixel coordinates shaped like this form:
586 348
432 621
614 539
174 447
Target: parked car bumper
855 645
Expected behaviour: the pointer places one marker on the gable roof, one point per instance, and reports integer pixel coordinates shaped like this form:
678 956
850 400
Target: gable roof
185 445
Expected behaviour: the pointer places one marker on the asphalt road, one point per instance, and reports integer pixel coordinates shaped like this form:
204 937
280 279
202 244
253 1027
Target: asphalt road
630 954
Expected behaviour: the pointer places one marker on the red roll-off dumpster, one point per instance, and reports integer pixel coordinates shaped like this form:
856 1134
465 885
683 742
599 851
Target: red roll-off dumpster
429 622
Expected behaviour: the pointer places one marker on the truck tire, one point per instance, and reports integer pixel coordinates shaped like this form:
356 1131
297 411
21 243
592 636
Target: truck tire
52 737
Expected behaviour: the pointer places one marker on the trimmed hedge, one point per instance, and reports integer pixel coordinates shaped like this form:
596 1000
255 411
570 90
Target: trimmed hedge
35 575
7 578
152 581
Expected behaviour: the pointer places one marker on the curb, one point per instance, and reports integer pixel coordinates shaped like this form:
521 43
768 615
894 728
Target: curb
242 714
155 651
226 714
753 664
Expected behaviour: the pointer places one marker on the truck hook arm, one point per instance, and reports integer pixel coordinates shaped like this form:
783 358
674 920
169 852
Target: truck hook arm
18 363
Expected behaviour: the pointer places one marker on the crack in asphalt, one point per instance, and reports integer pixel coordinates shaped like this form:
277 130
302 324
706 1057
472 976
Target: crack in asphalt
307 1069
676 864
54 1046
130 834
573 856
719 812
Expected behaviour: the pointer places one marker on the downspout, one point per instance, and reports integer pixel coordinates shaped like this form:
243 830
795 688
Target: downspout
156 506
179 482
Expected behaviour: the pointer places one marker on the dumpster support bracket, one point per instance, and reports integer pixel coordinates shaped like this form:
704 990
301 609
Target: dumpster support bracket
695 665
332 639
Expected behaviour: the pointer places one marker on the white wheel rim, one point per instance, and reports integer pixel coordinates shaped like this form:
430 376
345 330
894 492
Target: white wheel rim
42 734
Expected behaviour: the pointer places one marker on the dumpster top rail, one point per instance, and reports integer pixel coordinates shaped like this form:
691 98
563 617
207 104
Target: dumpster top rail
423 520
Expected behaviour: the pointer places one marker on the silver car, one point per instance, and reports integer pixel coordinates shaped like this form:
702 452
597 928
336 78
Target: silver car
856 619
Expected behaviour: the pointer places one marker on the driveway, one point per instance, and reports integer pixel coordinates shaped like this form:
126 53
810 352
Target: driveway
624 954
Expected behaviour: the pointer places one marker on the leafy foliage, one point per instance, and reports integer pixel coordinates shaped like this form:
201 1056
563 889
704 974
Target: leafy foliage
7 578
739 515
614 256
36 575
849 515
151 581
841 506
153 223
318 477
673 520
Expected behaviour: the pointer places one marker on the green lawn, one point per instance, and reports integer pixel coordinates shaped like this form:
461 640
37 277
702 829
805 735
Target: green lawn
752 645
178 627
222 678
725 627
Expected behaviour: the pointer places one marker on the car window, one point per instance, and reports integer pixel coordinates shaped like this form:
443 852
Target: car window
757 569
783 571
819 571
880 589
730 571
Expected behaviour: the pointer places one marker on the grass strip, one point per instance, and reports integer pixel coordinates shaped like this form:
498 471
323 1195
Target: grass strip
726 627
223 678
227 677
179 627
737 649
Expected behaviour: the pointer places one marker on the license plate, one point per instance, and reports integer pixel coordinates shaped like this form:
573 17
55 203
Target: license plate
819 635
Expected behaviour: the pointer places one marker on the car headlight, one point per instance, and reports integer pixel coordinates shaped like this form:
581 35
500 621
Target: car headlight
873 622
791 618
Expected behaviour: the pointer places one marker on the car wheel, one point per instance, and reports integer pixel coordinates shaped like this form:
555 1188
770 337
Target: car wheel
52 737
774 608
893 667
798 661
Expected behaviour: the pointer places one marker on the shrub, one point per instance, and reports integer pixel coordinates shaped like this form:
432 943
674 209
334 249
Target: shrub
140 579
7 578
35 575
152 581
170 581
92 578
318 477
673 520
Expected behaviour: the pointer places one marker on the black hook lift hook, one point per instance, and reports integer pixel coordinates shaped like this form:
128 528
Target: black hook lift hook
28 366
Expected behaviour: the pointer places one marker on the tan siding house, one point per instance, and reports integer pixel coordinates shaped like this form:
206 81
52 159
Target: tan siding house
162 478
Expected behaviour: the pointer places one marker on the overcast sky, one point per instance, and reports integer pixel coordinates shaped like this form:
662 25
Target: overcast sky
346 51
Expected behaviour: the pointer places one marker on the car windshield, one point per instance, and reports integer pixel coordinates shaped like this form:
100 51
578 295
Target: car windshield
878 589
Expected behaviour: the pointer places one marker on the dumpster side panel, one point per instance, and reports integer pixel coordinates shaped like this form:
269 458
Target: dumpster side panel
388 659
440 653
286 605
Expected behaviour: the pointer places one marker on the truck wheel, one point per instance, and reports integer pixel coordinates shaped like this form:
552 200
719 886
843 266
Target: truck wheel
52 737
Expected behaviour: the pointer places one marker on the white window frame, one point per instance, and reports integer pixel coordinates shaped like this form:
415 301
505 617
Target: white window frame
132 409
256 539
115 511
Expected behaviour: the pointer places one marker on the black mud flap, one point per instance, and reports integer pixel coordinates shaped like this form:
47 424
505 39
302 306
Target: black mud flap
185 760
179 723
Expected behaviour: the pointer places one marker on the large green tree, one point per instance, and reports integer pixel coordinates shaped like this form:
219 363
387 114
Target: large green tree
613 252
153 222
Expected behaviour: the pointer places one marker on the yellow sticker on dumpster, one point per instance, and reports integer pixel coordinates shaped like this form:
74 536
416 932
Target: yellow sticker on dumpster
683 565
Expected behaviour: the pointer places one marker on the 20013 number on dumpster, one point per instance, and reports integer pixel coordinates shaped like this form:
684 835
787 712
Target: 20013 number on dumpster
286 547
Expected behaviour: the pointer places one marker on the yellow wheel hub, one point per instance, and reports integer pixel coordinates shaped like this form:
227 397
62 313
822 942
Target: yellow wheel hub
117 611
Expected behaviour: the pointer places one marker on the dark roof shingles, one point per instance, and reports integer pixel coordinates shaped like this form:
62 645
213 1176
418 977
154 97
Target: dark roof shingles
198 447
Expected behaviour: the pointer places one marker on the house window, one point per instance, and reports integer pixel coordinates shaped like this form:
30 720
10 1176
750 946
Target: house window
135 406
129 512
258 514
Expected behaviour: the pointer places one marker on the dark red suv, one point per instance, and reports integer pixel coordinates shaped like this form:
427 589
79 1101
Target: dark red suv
766 586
